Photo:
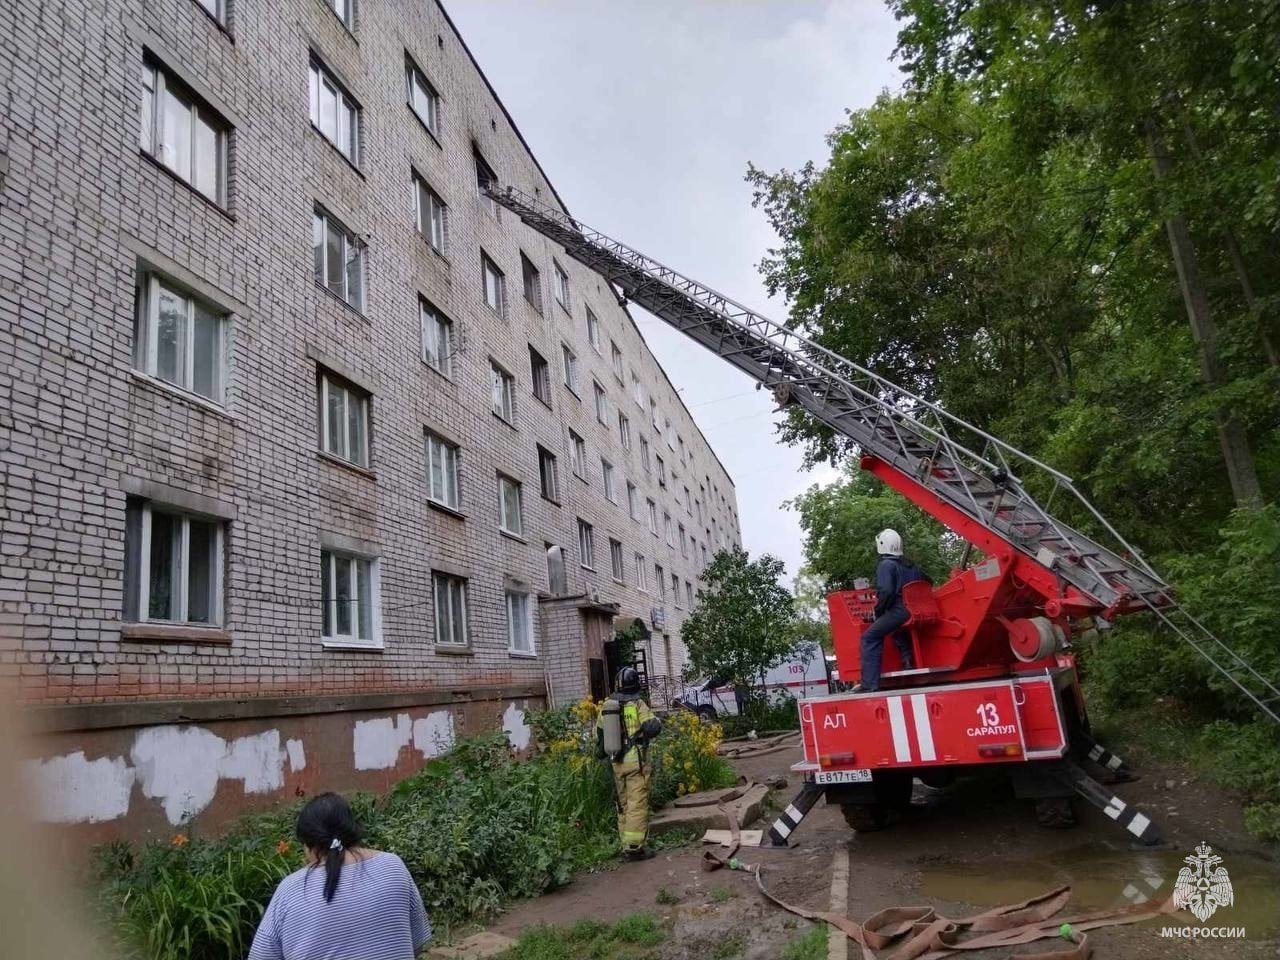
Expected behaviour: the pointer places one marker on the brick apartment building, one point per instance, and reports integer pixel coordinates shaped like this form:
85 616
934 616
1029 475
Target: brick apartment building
293 418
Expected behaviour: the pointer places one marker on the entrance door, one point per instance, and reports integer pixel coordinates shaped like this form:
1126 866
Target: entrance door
599 685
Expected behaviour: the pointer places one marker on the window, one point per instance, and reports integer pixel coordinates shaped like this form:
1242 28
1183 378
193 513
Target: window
442 472
688 593
705 561
617 360
495 285
670 530
422 96
642 573
485 177
570 369
615 559
653 415
451 610
644 454
334 113
697 507
606 470
637 390
519 622
602 403
671 445
437 338
633 501
624 430
532 282
431 214
675 590
662 472
173 566
182 133
680 444
562 285
653 516
687 508
344 420
557 579
345 10
660 581
593 330
586 545
216 9
178 338
549 475
348 598
503 393
339 259
684 542
577 455
510 518
540 376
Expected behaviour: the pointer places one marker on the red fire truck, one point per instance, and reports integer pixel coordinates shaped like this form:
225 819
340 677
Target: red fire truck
995 685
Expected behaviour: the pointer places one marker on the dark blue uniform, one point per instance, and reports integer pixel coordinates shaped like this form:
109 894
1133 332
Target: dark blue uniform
892 574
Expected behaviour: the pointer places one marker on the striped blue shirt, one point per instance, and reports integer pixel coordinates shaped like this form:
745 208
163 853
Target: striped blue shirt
375 914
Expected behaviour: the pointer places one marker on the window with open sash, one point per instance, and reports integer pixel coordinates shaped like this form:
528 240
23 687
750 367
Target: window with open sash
183 133
422 96
179 338
495 285
519 622
451 610
349 598
442 471
549 475
586 545
531 276
173 566
344 420
577 455
502 393
431 214
510 515
562 286
437 338
540 376
334 113
338 259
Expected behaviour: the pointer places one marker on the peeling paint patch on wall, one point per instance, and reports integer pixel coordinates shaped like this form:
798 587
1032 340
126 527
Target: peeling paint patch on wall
434 734
71 789
375 744
297 755
514 726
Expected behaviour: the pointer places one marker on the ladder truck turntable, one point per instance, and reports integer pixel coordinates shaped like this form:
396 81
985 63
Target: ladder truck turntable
995 683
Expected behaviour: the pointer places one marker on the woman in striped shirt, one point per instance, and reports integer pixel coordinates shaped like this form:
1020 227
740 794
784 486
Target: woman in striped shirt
364 906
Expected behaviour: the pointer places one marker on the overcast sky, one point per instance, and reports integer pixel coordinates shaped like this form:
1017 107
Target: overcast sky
644 116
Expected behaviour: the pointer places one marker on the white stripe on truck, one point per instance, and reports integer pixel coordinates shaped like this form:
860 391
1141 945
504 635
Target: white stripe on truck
920 711
898 727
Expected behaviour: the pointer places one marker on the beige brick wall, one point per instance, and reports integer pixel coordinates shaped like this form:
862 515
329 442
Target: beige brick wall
77 426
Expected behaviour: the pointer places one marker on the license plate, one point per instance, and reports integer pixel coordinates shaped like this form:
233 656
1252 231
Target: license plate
843 776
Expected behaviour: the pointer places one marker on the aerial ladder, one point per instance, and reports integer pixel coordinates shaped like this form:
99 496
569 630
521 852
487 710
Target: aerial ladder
993 681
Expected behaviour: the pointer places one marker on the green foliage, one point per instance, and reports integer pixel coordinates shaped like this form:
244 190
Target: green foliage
631 938
666 897
741 626
684 759
629 639
729 947
812 945
764 715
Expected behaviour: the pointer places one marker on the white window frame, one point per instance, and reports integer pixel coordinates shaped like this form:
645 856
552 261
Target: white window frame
624 430
675 589
437 338
345 11
662 470
432 214
540 376
345 135
616 356
156 84
490 269
529 272
642 573
577 455
601 402
548 469
562 285
660 579
586 545
217 9
352 248
633 501
417 86
435 446
637 390
593 330
688 592
653 515
486 173
617 561
328 383
180 575
502 393
571 378
606 474
147 338
644 453
505 524
353 639
456 599
519 613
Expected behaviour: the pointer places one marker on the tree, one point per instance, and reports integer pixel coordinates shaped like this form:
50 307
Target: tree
742 624
840 522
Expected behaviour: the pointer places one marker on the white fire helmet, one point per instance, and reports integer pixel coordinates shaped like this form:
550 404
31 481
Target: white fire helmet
889 543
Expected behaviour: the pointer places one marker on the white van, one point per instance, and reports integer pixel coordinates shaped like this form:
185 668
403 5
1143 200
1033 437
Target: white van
801 675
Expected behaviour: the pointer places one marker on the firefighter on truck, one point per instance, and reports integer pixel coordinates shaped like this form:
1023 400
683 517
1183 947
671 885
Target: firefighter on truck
893 572
624 731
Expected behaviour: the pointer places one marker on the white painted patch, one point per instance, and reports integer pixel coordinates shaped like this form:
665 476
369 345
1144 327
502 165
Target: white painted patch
179 767
513 725
297 755
377 743
257 760
71 789
434 734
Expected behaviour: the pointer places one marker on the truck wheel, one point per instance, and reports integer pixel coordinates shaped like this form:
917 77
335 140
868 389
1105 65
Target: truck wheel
707 714
1056 813
865 817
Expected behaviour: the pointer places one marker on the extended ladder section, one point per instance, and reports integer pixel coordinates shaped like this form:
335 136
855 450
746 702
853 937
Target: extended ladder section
974 472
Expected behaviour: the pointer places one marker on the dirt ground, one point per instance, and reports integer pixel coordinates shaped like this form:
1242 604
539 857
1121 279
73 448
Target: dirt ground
972 846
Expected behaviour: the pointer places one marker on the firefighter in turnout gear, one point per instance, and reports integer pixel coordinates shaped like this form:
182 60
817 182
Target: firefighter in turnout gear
623 733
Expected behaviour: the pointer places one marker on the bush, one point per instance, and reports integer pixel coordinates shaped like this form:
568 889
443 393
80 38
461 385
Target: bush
684 759
764 714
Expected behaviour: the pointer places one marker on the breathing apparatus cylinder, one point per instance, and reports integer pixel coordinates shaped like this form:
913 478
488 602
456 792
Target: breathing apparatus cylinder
611 739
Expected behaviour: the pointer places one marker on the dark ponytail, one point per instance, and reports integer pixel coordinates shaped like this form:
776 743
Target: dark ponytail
327 827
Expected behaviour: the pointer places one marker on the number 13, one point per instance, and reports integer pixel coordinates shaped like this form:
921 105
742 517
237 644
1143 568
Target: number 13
987 715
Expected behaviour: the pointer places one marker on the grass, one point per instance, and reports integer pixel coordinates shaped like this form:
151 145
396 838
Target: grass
811 945
635 937
721 894
666 897
728 948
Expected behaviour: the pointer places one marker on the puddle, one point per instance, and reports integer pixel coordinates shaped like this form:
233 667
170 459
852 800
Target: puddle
1102 876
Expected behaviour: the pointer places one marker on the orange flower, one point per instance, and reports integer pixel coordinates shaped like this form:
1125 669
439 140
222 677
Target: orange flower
179 840
282 847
